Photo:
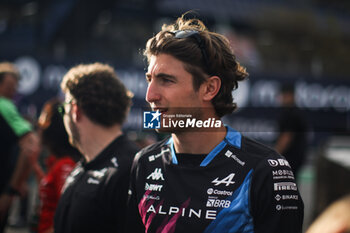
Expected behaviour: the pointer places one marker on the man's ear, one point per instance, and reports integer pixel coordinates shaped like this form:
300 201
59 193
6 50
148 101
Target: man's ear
76 113
211 88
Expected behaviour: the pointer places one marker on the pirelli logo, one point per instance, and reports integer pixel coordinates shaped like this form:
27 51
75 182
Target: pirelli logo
285 186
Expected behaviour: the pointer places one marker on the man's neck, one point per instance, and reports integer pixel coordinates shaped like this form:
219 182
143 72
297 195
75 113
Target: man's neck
96 139
198 142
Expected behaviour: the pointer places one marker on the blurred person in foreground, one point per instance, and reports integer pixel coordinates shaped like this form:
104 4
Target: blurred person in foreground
335 219
15 133
59 163
205 180
292 139
95 193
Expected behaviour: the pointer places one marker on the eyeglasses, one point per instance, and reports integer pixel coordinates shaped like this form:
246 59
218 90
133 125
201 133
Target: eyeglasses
61 109
180 34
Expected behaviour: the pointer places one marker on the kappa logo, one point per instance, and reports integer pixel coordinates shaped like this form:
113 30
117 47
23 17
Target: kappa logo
156 174
227 180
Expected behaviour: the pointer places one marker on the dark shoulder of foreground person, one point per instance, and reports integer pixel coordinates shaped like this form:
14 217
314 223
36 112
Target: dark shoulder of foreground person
154 148
276 204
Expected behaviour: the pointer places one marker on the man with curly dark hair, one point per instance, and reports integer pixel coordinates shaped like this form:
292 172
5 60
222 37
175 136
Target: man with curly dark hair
206 177
95 193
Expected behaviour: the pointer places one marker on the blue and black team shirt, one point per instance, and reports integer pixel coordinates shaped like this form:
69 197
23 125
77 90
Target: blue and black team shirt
240 186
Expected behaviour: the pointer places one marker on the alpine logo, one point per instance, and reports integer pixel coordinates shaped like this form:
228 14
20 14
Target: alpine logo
156 174
227 180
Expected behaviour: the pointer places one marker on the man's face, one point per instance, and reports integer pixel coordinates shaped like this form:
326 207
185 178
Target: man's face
170 87
71 127
8 86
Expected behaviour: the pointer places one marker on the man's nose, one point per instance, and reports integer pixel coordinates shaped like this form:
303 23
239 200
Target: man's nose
153 94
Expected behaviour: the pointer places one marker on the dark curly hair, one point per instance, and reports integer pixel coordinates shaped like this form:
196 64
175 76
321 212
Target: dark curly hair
221 60
98 91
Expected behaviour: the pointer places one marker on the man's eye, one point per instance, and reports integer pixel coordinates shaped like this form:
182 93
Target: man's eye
167 80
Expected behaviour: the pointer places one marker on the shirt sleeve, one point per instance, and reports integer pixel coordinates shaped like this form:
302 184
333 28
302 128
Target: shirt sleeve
276 203
17 123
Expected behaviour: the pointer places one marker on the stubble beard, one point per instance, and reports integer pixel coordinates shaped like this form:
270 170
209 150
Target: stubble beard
74 139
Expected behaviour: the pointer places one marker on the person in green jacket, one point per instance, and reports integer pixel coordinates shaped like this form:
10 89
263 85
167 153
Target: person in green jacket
15 133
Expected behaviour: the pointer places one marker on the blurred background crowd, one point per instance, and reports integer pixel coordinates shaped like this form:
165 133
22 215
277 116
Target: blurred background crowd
301 44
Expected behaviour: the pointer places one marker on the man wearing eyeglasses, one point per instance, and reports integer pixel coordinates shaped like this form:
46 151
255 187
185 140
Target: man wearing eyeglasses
95 193
205 177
